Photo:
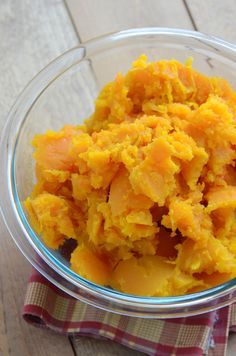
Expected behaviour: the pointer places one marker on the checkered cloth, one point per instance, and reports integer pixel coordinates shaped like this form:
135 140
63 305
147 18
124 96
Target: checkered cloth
48 307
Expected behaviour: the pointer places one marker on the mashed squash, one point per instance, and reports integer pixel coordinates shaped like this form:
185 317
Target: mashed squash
147 186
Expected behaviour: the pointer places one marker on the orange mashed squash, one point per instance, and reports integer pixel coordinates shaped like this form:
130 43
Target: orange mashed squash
147 186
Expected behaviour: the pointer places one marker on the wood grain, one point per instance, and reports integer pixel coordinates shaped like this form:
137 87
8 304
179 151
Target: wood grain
214 17
95 18
32 34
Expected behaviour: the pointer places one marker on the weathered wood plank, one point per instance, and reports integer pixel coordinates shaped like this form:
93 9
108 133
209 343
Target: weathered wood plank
32 34
214 17
95 18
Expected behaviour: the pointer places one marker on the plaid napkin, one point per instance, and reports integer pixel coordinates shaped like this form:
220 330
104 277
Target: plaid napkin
207 334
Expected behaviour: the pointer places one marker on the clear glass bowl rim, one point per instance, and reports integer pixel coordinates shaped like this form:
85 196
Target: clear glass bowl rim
11 206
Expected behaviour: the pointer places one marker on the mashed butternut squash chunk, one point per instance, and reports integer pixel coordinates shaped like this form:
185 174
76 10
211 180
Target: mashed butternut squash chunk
147 186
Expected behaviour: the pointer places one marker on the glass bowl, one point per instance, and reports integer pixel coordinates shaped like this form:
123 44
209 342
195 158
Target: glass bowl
64 93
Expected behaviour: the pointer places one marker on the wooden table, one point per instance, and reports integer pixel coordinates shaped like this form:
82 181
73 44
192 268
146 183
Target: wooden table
33 32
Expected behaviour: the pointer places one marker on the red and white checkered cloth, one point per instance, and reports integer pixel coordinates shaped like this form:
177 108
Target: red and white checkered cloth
207 334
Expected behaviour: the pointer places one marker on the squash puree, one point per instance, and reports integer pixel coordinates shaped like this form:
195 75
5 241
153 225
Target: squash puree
147 186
